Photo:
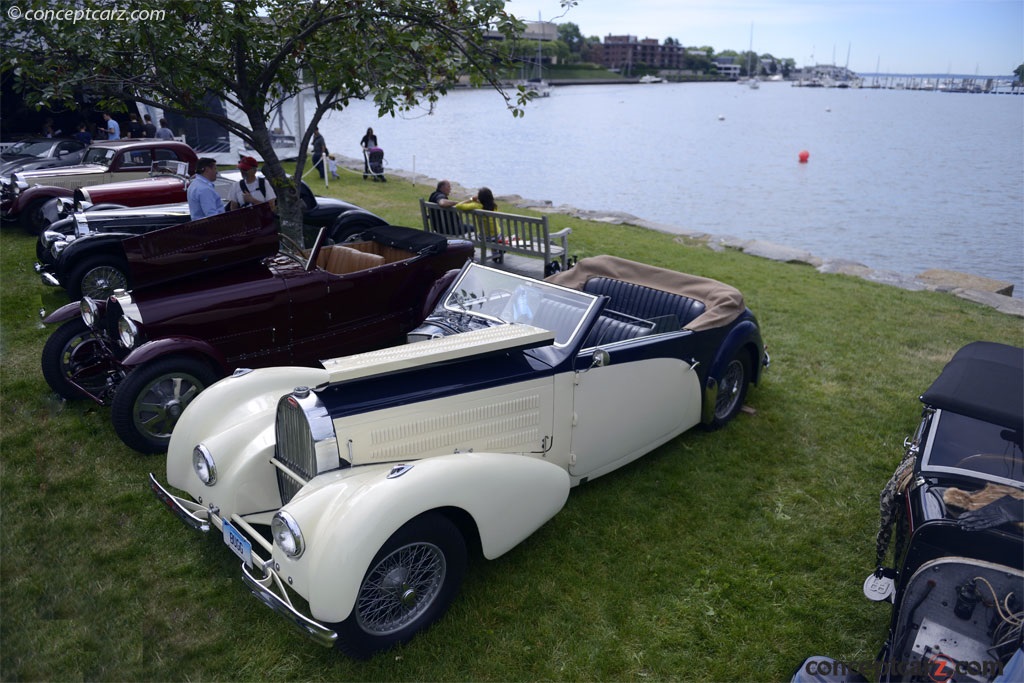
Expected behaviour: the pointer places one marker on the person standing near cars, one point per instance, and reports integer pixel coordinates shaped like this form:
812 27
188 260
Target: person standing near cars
164 132
203 199
113 128
148 129
250 190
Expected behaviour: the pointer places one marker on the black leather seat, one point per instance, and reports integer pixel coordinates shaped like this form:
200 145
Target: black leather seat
644 302
608 330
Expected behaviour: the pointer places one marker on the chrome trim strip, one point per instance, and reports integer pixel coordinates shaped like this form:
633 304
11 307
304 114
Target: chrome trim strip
265 594
185 510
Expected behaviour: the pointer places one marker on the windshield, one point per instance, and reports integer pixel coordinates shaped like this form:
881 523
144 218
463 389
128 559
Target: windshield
505 297
98 155
968 446
32 149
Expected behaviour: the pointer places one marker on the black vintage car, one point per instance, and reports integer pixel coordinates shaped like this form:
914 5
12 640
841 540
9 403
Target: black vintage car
956 505
83 254
229 291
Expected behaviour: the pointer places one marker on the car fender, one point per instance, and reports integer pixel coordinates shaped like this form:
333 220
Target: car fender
64 313
36 193
744 333
346 516
234 419
89 245
166 346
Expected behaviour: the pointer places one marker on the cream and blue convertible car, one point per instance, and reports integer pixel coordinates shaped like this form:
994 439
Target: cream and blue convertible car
361 486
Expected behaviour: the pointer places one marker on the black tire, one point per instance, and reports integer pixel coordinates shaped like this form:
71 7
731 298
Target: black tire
150 400
732 390
32 219
97 277
73 350
410 584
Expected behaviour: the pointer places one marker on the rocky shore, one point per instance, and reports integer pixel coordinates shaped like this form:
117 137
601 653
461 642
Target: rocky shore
986 291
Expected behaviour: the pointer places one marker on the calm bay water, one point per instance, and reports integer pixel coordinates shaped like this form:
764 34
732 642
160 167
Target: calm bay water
897 180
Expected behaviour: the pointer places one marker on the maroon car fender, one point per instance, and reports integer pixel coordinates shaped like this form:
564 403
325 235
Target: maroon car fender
166 346
37 193
64 313
439 287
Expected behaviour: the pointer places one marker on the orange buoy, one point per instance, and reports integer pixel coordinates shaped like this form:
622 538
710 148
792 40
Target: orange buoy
804 156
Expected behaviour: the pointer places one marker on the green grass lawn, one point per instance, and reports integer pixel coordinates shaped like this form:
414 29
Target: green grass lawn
719 557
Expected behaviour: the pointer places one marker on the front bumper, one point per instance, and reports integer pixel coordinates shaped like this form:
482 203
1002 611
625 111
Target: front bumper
46 275
268 588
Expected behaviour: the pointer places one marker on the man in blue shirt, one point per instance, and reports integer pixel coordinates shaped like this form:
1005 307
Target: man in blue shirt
113 127
203 199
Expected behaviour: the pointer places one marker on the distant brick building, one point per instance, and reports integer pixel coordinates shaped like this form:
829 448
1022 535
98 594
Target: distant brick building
622 53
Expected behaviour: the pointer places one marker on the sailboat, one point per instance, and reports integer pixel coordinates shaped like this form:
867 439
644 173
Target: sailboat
536 83
752 81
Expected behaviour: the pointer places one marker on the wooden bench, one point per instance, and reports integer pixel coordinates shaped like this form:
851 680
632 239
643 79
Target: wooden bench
501 233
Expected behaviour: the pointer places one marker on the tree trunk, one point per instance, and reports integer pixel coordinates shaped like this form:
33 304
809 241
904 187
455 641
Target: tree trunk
289 205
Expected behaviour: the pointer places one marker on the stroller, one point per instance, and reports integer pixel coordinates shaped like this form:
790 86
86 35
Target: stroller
375 164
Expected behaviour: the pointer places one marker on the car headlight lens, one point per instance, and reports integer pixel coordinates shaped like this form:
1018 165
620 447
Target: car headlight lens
287 534
90 311
127 332
202 463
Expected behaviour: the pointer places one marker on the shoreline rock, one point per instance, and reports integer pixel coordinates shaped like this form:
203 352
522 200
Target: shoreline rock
979 289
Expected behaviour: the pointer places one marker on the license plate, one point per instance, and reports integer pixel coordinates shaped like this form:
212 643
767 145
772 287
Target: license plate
238 543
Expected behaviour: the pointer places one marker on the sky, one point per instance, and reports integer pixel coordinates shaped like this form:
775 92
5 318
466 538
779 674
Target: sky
984 37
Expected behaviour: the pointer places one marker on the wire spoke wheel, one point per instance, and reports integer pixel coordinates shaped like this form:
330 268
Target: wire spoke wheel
100 282
400 588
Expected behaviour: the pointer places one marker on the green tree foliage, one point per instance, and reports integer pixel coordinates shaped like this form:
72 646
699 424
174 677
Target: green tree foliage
569 33
255 53
1019 73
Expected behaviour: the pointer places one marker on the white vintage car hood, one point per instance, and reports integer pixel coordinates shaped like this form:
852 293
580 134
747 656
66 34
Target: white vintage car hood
36 177
437 350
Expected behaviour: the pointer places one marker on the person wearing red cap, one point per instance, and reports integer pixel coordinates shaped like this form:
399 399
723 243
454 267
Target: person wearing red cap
250 189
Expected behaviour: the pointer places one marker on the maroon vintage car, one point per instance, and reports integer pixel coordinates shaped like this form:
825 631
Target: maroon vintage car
23 195
227 292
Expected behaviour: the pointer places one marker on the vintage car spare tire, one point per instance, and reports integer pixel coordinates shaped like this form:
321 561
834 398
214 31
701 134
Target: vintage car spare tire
150 400
73 350
97 277
410 584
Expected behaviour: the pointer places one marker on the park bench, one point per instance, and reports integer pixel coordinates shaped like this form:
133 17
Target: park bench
501 233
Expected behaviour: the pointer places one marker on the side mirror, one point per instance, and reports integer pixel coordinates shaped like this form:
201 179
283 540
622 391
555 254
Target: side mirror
601 358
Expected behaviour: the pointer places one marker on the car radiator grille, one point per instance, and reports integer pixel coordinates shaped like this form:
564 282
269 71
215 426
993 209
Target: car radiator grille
295 448
112 317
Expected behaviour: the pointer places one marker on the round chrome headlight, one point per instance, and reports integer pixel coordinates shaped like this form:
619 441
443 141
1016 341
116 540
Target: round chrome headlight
127 332
202 463
90 311
57 247
287 534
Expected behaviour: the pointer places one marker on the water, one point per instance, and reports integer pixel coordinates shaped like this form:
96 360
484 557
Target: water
897 180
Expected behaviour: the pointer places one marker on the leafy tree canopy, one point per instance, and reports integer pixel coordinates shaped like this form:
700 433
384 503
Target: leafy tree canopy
254 53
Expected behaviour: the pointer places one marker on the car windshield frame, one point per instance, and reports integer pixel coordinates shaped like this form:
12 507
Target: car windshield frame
499 296
968 447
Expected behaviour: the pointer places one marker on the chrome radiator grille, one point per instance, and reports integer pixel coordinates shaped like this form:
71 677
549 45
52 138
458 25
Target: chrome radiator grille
295 448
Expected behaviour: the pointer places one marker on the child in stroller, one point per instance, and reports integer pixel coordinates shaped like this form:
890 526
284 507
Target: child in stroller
375 163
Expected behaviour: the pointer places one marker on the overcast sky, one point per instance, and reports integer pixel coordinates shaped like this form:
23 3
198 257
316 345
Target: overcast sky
899 36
